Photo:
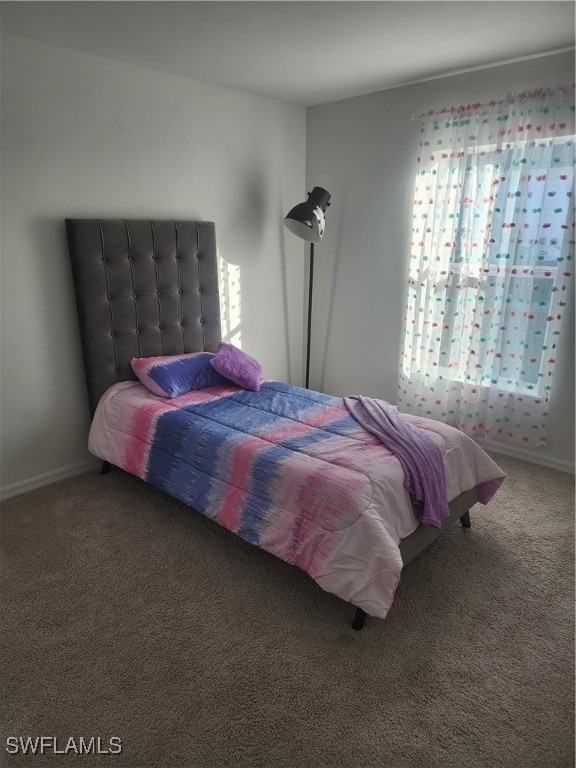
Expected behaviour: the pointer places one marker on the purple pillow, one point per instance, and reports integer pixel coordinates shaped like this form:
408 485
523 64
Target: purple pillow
173 375
237 366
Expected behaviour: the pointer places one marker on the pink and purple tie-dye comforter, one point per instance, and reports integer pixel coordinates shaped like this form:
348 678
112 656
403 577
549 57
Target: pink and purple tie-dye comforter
289 470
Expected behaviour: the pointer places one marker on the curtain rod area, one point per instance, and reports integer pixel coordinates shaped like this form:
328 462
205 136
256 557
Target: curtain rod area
459 110
511 98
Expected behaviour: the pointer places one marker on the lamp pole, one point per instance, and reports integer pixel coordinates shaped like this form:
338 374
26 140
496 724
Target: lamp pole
310 285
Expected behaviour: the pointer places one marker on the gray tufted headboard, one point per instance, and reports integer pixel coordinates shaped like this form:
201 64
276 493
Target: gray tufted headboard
143 288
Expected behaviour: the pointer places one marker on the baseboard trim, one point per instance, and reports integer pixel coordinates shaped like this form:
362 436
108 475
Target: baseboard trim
531 456
15 489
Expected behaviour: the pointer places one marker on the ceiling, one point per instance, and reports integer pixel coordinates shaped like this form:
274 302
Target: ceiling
301 51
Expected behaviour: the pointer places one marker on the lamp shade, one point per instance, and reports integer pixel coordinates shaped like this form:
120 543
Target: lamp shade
306 220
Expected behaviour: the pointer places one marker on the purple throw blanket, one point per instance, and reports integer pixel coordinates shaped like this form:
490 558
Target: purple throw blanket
420 457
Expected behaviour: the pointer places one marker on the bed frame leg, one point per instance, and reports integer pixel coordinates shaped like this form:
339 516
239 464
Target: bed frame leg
359 619
465 520
106 467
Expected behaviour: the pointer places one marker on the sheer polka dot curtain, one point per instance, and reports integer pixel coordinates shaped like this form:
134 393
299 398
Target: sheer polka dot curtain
491 259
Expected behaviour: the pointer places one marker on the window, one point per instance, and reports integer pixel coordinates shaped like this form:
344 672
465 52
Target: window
524 286
490 266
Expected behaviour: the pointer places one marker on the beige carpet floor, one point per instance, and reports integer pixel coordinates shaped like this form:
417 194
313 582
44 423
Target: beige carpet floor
126 614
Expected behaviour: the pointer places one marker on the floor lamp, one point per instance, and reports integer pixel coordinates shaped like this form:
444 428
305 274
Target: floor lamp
306 220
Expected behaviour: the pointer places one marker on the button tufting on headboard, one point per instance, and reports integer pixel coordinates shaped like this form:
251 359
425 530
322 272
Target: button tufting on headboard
138 283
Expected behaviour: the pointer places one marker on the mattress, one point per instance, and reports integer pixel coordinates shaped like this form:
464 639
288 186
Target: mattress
289 470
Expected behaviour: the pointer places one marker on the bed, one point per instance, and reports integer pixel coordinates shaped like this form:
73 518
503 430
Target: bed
286 468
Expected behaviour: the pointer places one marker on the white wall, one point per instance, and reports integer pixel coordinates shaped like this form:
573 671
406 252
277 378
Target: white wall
84 136
363 150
